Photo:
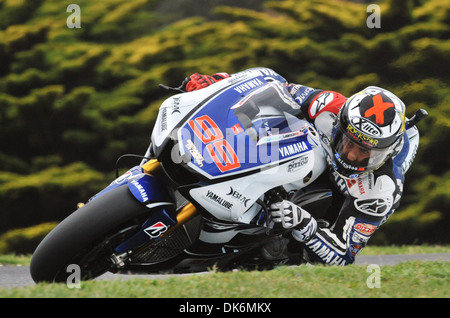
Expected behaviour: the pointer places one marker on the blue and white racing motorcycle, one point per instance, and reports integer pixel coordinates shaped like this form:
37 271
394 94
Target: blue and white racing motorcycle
199 199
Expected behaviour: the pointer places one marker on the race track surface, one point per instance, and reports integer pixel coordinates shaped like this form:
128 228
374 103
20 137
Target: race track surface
19 276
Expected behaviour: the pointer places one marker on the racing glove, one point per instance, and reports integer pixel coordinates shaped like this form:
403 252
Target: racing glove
291 216
197 81
300 93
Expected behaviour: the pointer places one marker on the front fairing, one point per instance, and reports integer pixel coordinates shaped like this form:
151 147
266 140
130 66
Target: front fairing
224 146
236 128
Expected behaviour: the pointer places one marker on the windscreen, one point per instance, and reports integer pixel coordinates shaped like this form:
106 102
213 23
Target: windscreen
270 101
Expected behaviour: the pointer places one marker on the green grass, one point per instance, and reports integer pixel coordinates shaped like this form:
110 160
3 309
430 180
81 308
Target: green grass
405 280
10 259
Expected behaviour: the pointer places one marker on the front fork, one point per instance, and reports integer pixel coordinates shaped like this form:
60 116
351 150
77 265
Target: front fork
164 218
187 212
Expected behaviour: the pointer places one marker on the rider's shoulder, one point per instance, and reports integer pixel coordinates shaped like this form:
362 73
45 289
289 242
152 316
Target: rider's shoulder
325 101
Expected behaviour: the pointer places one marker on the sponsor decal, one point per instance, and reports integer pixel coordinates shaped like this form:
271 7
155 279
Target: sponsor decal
346 165
324 139
163 119
359 239
237 129
340 182
323 100
141 190
297 163
214 197
371 180
345 184
355 249
350 182
301 93
249 85
365 228
372 206
293 149
176 105
359 182
409 159
266 71
266 128
156 229
123 177
281 137
366 126
325 253
361 186
238 196
195 153
367 140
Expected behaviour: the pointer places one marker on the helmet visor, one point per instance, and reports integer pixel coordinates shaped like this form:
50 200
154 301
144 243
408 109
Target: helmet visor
354 157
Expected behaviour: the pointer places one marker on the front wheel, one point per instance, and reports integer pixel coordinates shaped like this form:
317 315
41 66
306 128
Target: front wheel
88 236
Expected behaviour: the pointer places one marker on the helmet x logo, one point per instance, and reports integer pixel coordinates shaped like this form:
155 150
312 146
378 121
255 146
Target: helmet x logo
378 109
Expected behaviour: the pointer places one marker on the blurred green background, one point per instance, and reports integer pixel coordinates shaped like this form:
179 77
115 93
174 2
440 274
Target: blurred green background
73 100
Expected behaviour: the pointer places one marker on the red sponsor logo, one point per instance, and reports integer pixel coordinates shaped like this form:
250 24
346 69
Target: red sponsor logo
365 228
156 229
237 129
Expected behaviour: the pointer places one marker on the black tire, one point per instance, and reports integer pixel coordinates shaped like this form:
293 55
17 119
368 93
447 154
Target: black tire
88 235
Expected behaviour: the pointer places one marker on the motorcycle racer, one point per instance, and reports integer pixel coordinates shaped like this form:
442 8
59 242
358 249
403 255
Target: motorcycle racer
368 147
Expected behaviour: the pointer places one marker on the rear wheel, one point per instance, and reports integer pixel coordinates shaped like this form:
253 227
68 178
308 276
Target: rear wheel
88 236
